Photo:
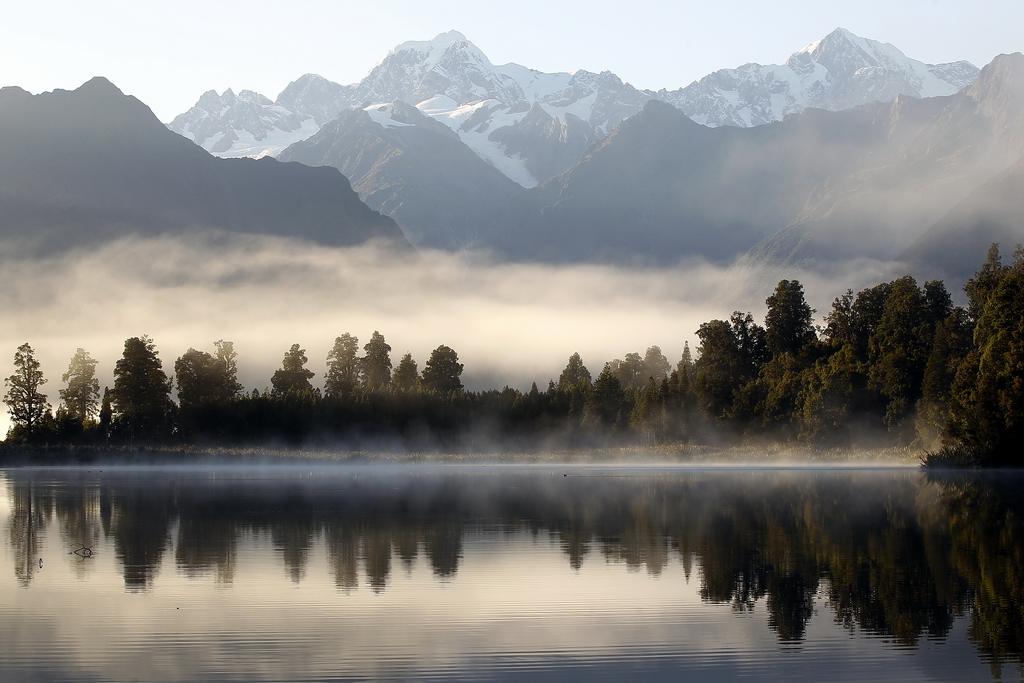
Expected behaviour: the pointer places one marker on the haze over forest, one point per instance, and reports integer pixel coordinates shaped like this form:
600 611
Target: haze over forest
627 222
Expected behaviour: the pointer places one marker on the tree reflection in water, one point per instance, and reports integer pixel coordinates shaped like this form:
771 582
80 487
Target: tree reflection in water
897 554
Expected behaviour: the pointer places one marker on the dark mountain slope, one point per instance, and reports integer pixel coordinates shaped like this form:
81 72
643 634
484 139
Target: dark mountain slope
414 169
661 187
939 152
82 166
958 243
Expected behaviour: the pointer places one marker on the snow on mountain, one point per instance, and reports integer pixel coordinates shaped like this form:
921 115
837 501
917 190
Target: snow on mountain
242 125
315 97
532 125
838 72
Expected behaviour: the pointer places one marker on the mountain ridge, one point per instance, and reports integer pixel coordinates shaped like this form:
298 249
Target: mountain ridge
943 151
90 164
450 79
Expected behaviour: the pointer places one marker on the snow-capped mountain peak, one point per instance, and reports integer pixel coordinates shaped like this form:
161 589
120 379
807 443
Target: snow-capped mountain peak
431 50
452 81
839 71
448 65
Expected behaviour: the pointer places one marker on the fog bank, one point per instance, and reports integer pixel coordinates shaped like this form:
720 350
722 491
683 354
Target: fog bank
510 323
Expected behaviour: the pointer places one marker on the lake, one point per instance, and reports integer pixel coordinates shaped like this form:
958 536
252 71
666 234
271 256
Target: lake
553 572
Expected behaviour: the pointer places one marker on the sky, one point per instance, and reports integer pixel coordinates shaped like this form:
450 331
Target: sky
168 54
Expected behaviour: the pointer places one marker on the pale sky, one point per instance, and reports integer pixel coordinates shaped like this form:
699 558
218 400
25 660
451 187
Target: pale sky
168 54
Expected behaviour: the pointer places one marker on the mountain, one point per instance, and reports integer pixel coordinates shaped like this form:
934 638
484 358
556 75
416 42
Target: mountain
948 164
412 168
78 167
532 126
661 187
956 245
527 124
838 72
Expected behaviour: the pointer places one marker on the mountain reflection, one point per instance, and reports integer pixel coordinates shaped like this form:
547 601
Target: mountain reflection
893 553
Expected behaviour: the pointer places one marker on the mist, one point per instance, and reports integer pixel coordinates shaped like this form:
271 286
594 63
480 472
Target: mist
511 323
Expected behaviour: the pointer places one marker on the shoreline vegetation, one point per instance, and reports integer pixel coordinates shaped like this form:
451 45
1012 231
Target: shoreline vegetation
896 368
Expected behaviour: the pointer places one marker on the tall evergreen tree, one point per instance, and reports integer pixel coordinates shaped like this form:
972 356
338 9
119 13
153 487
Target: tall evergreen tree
293 375
81 397
646 415
206 378
950 345
719 369
655 364
406 375
377 363
789 323
574 375
606 403
898 350
226 359
750 341
685 364
342 376
26 405
442 371
141 395
629 371
987 406
980 287
106 413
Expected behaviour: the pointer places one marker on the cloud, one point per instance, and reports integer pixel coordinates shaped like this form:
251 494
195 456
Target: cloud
510 323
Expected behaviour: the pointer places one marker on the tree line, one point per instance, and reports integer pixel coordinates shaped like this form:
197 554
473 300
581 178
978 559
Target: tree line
896 364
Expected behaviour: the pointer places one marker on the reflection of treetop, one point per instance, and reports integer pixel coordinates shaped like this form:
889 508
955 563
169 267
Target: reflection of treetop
893 556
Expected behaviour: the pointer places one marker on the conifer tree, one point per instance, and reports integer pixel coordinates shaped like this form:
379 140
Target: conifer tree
789 324
207 378
26 405
293 375
342 376
629 371
987 405
655 364
377 363
606 402
141 395
575 374
81 397
442 371
406 375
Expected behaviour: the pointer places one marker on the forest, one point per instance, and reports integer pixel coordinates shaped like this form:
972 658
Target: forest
894 365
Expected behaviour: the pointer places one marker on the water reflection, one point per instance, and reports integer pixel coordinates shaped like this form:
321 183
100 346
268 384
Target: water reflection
888 553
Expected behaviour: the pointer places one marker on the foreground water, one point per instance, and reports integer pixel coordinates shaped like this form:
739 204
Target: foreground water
539 573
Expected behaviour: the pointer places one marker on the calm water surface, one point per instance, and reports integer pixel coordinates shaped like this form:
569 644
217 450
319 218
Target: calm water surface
505 573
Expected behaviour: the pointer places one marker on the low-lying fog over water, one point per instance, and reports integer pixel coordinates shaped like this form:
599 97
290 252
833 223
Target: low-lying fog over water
509 573
511 324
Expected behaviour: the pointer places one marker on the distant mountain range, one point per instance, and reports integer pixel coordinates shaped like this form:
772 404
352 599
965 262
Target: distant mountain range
925 182
924 179
421 136
532 125
80 167
941 185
